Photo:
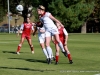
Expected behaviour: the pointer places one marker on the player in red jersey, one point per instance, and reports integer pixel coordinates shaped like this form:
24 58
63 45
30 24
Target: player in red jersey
26 28
63 35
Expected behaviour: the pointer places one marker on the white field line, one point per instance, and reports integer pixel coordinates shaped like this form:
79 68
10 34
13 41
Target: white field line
7 42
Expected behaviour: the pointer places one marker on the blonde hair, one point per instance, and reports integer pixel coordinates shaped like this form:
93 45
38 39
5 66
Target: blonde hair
41 7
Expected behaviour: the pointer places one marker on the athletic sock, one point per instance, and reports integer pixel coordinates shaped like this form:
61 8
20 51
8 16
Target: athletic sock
69 57
52 54
61 46
45 52
49 50
57 58
18 48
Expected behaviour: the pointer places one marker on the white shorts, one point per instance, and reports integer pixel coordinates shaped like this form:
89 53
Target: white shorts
51 32
41 39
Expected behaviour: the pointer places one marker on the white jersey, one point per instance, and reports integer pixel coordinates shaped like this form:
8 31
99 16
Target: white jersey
65 32
47 22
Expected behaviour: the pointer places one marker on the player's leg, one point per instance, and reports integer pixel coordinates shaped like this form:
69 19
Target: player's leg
48 48
20 45
68 54
42 40
44 50
57 53
59 42
30 44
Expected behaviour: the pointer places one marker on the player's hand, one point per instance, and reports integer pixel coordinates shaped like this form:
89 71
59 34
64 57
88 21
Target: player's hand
33 34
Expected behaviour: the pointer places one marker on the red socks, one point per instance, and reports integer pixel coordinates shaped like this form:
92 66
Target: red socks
57 58
69 57
18 48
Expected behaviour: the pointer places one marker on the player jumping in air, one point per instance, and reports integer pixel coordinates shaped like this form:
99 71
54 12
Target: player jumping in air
50 28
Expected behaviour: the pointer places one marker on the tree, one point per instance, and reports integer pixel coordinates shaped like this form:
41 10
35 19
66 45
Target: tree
72 13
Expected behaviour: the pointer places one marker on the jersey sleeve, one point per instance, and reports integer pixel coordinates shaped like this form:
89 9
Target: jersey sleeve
65 32
32 27
48 14
22 27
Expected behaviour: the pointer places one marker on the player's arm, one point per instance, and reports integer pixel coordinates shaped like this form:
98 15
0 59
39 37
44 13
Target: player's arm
21 29
57 21
34 32
32 29
66 36
42 30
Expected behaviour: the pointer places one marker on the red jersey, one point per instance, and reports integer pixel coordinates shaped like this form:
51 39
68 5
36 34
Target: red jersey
61 35
27 29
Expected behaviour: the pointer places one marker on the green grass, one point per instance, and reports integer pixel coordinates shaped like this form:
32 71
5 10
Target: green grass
84 48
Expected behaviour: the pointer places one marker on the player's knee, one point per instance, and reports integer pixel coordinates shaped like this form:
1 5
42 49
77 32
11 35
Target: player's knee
20 45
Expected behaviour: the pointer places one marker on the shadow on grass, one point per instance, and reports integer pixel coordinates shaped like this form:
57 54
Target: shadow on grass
31 60
28 69
10 52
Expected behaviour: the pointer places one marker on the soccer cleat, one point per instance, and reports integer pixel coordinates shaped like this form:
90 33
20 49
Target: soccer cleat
32 52
53 58
70 61
18 53
49 61
65 54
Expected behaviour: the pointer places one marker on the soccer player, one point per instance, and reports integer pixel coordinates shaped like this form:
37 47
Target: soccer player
50 28
41 38
63 38
26 28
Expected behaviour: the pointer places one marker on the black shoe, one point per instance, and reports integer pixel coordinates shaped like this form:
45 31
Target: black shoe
54 59
49 61
70 61
65 54
56 63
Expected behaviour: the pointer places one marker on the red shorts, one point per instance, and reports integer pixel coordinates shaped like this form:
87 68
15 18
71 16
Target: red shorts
26 36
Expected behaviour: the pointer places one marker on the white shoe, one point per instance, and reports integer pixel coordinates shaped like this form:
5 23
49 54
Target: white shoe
32 52
18 53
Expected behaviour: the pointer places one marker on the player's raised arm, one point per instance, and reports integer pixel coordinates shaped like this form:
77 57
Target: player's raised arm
57 21
20 30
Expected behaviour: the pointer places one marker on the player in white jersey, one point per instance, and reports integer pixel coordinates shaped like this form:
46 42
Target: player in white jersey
50 28
41 38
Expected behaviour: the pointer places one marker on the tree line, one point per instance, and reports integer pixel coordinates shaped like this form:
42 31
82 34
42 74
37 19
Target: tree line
72 13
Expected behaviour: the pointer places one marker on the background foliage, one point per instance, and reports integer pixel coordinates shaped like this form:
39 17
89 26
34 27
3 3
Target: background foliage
72 13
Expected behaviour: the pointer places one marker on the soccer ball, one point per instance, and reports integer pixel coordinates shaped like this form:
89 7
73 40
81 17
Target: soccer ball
19 8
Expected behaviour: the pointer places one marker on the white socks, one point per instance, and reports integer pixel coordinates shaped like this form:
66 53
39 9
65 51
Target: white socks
49 50
61 46
45 52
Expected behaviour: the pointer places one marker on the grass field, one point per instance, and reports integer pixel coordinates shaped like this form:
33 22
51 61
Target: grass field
85 50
